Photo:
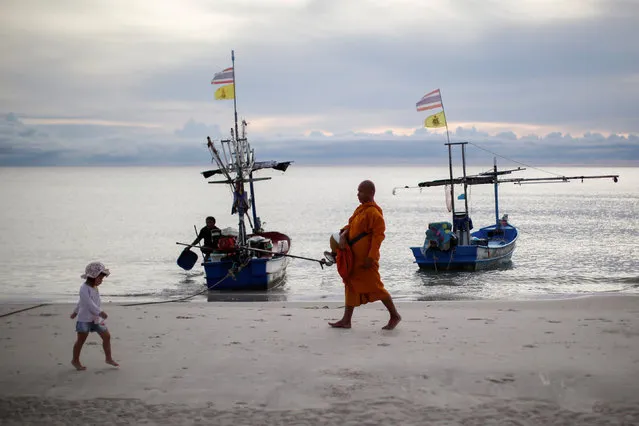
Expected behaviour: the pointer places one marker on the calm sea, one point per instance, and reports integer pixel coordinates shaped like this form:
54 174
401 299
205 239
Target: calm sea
576 238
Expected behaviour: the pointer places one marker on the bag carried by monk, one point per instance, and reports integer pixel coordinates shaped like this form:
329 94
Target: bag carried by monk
345 259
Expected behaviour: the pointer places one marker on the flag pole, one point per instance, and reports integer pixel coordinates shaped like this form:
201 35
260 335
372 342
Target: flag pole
444 111
235 94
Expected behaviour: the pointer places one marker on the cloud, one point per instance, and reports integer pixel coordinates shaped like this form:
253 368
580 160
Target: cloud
47 144
346 69
193 129
67 144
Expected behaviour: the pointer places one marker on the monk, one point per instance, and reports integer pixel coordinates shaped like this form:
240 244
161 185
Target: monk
364 284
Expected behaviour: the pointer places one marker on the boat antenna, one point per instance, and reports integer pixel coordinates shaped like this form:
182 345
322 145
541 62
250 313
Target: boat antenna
494 154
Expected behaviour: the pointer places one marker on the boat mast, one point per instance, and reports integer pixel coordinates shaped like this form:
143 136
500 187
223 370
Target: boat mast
239 160
464 171
496 184
257 225
463 232
450 158
452 179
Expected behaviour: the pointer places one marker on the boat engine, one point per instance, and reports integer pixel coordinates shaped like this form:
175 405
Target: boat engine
261 243
227 244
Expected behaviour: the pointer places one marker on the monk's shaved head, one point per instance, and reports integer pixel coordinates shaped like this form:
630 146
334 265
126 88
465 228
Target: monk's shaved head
368 185
366 191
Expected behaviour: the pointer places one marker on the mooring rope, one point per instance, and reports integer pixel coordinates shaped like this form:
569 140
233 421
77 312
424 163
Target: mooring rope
25 309
193 295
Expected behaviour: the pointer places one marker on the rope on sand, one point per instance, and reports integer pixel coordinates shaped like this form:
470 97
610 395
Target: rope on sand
25 309
169 301
142 303
191 296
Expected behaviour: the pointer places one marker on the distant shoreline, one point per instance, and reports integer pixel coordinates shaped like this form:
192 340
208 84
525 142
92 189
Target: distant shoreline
303 163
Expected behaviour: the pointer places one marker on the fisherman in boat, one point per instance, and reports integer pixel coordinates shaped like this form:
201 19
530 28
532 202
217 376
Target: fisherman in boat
210 234
363 237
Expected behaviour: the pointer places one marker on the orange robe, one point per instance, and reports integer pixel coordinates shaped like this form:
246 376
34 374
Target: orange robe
365 285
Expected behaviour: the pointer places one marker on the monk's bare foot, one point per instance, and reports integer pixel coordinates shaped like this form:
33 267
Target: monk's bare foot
78 366
111 362
392 323
340 324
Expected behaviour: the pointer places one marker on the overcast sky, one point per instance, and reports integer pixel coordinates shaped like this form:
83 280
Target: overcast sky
128 82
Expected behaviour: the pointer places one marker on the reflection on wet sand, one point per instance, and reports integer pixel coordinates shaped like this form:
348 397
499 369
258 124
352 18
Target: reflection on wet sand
255 296
442 297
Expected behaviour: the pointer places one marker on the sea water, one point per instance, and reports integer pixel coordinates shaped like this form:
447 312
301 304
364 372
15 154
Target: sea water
575 238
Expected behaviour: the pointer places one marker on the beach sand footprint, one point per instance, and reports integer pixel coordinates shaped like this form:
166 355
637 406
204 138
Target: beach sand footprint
508 378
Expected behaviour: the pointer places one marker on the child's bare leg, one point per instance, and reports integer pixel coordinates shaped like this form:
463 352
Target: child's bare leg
395 318
345 322
106 345
77 347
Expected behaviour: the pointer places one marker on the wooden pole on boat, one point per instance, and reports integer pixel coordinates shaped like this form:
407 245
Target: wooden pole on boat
464 171
239 184
256 220
465 231
452 184
450 159
497 223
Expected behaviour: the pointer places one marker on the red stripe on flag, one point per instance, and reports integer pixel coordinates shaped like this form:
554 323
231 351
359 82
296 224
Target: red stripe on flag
424 108
222 81
431 93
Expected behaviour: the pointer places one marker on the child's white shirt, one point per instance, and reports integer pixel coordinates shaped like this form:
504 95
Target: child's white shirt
88 307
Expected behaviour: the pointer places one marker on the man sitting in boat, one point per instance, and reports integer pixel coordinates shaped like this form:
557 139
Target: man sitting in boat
210 234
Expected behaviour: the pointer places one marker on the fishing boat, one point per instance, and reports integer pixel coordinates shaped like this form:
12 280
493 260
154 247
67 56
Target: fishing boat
452 246
245 258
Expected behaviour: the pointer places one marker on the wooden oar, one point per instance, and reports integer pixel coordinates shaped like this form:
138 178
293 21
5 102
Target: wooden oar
188 245
322 262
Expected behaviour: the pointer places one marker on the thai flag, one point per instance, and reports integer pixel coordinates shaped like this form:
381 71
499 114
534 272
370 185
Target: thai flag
223 77
430 100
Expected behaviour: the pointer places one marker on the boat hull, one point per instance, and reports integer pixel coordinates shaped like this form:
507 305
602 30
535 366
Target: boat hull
258 274
493 248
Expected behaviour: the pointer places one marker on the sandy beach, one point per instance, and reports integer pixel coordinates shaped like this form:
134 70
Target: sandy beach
569 361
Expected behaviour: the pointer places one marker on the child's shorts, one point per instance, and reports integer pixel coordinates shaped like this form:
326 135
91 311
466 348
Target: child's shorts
86 327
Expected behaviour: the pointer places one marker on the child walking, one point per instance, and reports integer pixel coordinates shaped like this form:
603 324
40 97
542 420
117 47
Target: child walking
90 316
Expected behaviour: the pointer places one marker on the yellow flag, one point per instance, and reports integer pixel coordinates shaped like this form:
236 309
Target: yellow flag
435 120
225 92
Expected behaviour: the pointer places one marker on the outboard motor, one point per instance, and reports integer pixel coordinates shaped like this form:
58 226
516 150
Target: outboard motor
439 236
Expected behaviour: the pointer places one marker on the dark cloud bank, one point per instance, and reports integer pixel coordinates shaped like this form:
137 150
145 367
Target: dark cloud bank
82 145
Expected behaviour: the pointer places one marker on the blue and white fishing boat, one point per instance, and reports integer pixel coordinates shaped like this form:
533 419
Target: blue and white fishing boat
453 247
245 259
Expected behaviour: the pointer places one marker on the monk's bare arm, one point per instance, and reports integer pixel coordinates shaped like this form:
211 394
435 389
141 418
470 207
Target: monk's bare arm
378 227
343 237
